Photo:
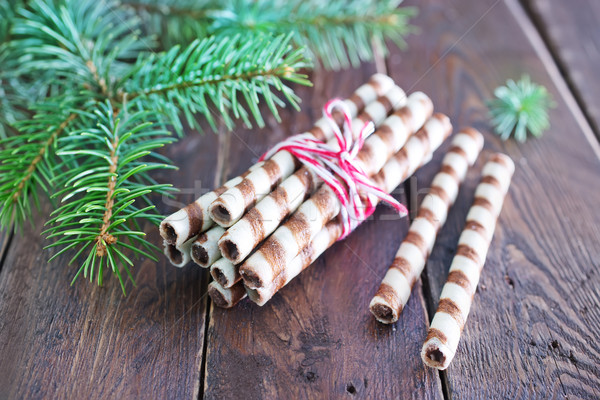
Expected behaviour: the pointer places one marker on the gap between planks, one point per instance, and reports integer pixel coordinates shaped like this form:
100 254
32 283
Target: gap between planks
551 63
221 172
563 69
6 239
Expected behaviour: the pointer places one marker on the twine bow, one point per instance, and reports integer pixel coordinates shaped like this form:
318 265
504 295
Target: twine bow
337 166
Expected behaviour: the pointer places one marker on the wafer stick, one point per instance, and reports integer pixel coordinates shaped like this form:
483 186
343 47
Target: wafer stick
225 272
189 221
412 255
261 268
179 256
226 297
231 205
205 249
261 220
321 242
457 295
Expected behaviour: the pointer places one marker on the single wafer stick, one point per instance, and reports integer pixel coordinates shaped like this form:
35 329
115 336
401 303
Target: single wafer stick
410 259
179 256
321 242
231 205
189 221
205 249
261 268
226 297
262 220
457 295
225 272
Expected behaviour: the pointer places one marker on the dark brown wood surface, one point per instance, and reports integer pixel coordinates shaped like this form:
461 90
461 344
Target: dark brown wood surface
533 328
571 31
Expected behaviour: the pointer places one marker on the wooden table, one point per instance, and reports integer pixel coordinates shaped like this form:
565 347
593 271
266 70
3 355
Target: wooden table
533 328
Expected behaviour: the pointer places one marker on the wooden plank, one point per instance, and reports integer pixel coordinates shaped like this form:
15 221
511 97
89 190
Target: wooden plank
533 329
316 338
58 341
571 31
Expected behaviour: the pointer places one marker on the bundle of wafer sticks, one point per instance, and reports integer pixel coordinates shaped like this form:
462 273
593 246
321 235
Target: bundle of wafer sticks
261 229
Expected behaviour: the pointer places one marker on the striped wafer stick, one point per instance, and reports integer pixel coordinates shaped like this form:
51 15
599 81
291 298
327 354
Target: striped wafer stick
179 256
226 297
205 249
412 255
225 272
189 221
321 242
262 220
261 268
231 205
457 295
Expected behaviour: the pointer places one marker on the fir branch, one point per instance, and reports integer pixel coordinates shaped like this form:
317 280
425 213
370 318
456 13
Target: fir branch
87 43
520 107
179 21
213 73
107 194
339 33
28 160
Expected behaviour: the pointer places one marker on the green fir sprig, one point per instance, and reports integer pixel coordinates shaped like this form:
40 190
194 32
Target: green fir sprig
520 107
339 33
91 89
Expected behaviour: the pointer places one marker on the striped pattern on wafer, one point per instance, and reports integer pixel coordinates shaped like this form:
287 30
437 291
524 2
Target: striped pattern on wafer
321 242
261 268
226 297
189 221
457 295
262 220
410 259
205 249
231 205
225 272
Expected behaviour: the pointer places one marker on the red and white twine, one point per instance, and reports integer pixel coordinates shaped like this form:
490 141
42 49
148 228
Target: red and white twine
339 169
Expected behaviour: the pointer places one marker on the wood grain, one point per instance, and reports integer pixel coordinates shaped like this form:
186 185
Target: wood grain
571 31
531 332
58 341
316 338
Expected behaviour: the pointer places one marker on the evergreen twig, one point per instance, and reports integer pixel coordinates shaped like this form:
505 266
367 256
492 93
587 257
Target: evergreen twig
107 193
339 33
520 107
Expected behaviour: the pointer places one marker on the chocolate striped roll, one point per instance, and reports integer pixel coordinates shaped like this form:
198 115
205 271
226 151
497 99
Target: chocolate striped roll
179 256
457 295
261 268
189 221
412 255
262 220
321 242
231 205
225 272
226 297
205 249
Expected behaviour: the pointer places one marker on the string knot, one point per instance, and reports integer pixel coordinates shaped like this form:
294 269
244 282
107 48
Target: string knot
337 166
